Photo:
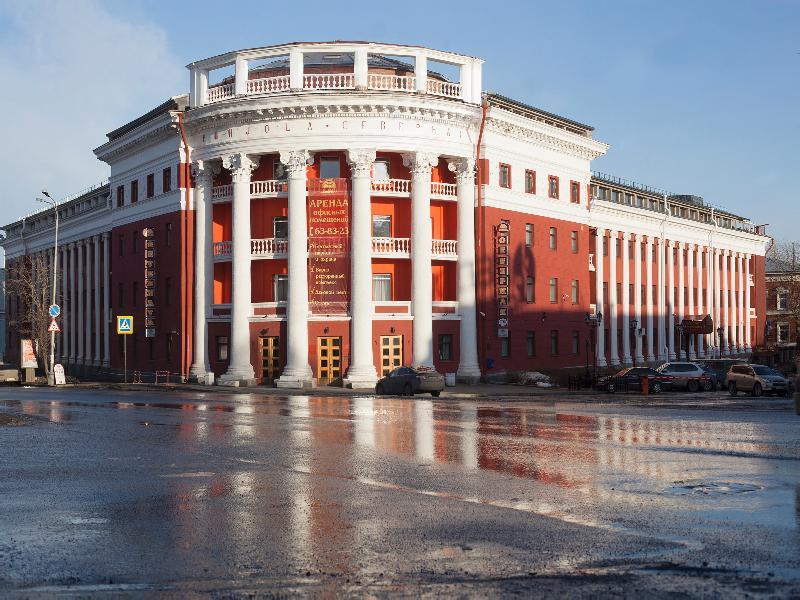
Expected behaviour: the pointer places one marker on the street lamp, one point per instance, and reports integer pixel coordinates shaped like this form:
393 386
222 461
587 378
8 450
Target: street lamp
54 203
720 331
634 327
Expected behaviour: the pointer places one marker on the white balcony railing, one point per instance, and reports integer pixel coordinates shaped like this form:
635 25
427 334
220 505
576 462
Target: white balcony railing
222 249
268 85
444 88
221 192
269 247
329 81
444 248
404 83
267 188
389 245
447 190
391 186
221 92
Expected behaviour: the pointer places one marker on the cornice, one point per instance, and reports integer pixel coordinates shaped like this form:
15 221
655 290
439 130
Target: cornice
154 131
545 135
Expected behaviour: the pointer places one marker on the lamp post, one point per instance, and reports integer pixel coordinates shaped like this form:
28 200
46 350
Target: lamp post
720 331
54 203
634 326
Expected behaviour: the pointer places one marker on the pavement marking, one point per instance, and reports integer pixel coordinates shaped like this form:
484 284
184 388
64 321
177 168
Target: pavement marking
195 474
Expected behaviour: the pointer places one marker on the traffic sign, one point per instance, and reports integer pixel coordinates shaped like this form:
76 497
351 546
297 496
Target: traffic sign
54 310
125 325
54 326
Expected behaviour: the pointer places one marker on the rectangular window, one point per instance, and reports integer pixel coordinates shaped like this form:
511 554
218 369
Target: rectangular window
222 347
382 287
529 289
574 192
120 195
529 234
605 246
554 342
553 238
605 292
166 180
783 333
530 181
505 175
530 343
168 235
552 187
135 242
446 347
576 342
151 185
134 191
553 290
168 291
380 169
505 347
574 291
135 294
573 238
122 245
382 226
280 284
329 167
280 227
782 300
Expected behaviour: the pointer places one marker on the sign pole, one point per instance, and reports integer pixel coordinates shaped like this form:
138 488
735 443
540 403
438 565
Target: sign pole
125 359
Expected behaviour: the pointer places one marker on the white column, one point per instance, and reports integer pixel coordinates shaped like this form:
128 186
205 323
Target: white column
421 164
662 350
748 342
700 350
240 370
648 293
361 69
726 321
717 268
681 341
240 76
740 341
600 347
613 236
81 307
710 268
297 372
73 303
97 313
421 72
361 373
468 368
626 300
64 355
690 311
670 307
295 69
637 295
106 299
203 172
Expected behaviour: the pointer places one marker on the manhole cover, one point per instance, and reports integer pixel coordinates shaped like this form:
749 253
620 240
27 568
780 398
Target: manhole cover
711 488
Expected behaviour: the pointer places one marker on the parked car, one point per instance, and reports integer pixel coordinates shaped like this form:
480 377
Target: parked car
756 379
688 376
721 366
411 380
631 378
717 377
9 374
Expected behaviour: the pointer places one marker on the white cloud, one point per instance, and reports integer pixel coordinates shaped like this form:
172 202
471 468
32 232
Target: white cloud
69 73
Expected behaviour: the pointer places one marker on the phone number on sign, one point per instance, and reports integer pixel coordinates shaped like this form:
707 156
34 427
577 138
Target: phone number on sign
329 231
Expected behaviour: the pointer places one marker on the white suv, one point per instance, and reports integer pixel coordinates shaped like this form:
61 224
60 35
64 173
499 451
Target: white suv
688 376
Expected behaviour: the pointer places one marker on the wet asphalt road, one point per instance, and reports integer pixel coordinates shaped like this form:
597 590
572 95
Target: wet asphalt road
180 494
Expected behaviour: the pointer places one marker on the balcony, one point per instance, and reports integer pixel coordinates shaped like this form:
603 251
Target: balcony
259 248
382 247
277 188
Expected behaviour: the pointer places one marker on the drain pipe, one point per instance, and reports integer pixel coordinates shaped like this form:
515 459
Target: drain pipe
479 224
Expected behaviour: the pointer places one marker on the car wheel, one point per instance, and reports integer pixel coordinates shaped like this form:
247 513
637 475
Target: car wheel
408 390
379 389
732 388
757 390
708 385
693 386
612 387
656 388
435 394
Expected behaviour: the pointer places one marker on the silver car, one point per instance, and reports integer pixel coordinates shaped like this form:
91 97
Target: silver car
756 379
688 376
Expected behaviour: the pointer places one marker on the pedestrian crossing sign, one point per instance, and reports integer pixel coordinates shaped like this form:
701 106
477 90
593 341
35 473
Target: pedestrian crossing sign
125 325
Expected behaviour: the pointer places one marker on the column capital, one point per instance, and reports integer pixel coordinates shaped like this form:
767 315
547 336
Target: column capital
360 161
625 236
240 165
296 161
613 233
420 163
463 167
203 171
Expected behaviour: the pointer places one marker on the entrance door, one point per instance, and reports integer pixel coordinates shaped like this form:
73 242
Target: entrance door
270 351
391 353
329 359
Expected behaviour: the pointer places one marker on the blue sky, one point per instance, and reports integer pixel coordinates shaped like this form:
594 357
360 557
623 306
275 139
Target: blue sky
694 97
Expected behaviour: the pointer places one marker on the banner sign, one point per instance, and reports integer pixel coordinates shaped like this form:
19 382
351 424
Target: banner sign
698 326
27 355
502 275
329 247
149 235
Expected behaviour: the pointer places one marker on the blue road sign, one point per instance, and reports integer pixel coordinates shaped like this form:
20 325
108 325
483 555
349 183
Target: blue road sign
54 310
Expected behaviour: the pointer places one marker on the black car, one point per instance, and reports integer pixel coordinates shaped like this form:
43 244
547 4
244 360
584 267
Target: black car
631 379
411 380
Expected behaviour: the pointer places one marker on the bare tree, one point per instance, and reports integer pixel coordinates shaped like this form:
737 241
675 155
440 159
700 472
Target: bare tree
30 279
784 265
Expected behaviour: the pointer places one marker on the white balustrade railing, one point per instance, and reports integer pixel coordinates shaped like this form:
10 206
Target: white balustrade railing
222 248
444 88
270 186
268 85
218 192
391 186
329 81
444 247
269 246
406 83
220 92
443 189
387 245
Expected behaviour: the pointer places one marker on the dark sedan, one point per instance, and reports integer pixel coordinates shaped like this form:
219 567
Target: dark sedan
631 379
411 380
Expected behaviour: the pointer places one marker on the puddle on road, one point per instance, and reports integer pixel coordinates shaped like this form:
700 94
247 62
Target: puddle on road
711 488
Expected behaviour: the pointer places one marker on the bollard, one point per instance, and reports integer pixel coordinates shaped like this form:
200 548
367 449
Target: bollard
645 386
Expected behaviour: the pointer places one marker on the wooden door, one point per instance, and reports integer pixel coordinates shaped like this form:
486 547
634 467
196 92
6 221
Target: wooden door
269 350
391 353
329 359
